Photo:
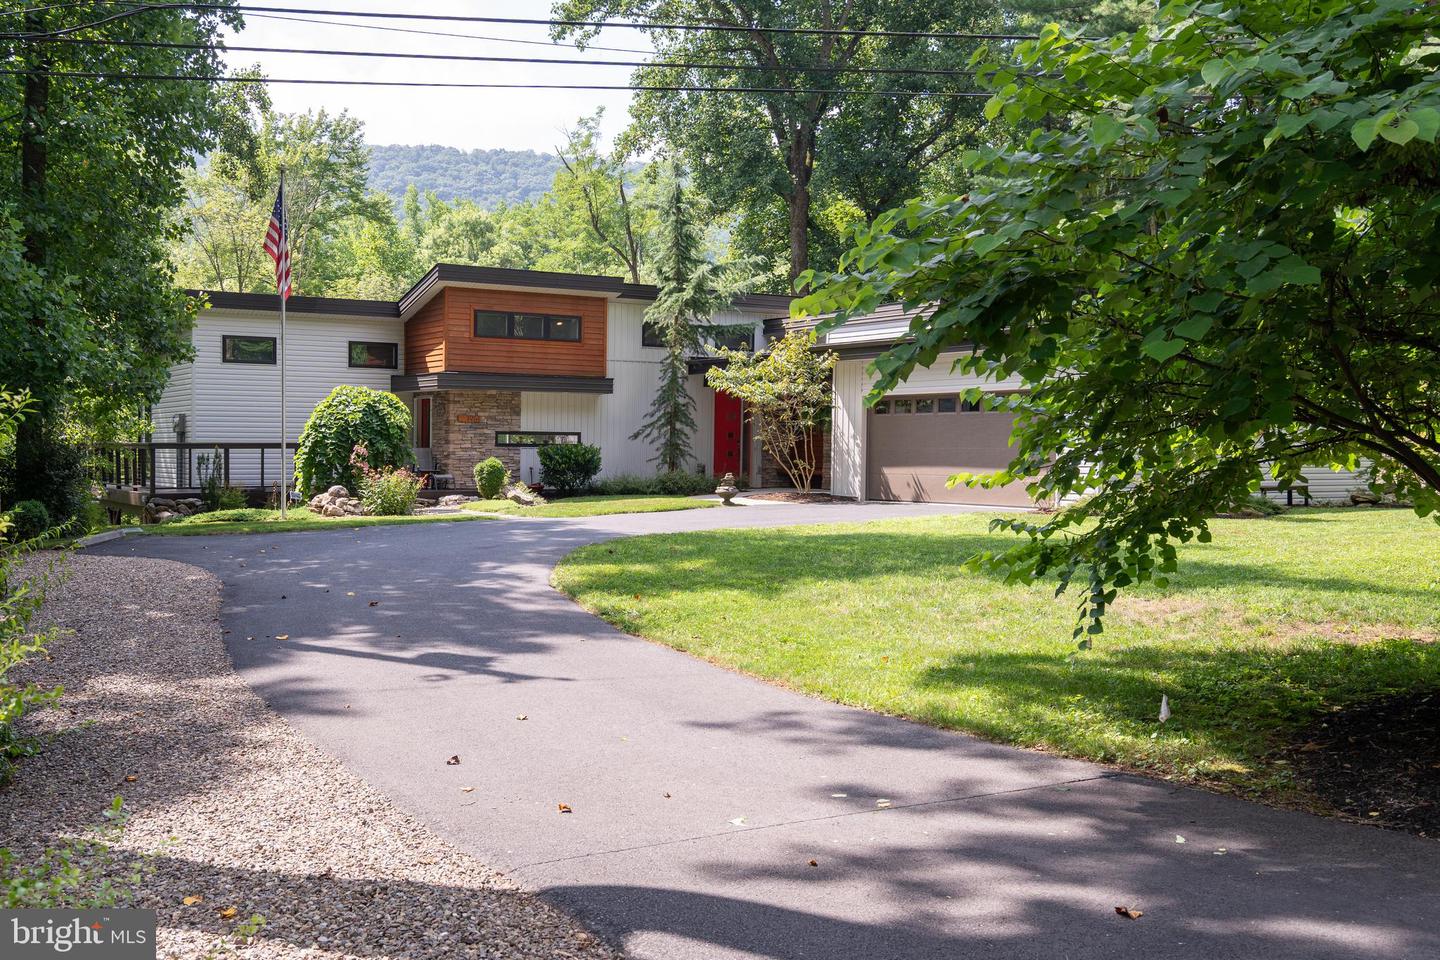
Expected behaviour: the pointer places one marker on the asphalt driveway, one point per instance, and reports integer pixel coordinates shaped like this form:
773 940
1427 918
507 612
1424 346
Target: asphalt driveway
715 816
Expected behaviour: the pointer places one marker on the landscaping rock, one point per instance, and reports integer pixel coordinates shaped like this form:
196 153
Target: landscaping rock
336 502
337 491
456 499
163 516
331 510
524 496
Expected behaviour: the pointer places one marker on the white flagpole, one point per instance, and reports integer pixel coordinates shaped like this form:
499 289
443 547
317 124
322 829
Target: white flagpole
284 464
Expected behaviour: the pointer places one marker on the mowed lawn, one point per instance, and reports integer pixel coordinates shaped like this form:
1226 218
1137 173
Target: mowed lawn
596 506
1262 631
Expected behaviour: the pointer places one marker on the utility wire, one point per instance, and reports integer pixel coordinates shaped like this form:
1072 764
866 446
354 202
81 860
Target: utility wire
683 65
647 88
526 21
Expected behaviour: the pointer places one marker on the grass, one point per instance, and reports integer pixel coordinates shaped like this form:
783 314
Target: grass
256 520
1267 628
592 506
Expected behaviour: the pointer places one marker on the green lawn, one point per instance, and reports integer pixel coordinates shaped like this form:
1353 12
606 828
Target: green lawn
1268 627
592 506
253 520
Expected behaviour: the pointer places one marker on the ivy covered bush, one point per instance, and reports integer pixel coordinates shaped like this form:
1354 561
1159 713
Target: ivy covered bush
348 417
491 478
569 467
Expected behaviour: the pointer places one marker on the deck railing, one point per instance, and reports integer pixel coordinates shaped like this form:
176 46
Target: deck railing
183 466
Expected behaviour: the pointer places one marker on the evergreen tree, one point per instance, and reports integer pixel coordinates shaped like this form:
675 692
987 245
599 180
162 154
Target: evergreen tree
692 289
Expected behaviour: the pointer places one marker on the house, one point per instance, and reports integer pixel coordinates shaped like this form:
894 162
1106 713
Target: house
496 362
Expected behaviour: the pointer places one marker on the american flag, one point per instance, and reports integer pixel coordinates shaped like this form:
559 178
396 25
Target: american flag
278 245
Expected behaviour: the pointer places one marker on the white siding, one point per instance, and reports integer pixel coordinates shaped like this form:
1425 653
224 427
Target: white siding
609 420
178 399
240 403
1326 485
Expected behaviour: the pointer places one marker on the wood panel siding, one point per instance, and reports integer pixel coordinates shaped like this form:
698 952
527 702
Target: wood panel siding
464 352
425 338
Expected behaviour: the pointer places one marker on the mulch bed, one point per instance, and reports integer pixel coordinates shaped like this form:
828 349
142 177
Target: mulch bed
795 496
1378 762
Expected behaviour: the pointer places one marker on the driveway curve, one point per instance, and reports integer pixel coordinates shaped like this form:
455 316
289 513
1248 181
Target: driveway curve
712 816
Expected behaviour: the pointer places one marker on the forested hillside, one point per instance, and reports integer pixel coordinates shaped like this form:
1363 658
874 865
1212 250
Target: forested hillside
486 177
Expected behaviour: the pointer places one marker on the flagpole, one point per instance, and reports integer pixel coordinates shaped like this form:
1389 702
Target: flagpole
284 466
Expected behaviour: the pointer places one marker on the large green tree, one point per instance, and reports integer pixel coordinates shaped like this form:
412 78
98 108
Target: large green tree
790 164
1211 256
89 307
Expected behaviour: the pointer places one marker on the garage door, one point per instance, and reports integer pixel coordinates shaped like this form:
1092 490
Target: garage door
914 444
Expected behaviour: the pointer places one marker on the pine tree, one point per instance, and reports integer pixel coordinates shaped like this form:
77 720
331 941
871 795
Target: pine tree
692 288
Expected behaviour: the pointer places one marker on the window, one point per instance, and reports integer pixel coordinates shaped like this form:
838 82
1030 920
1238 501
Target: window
732 339
526 326
903 406
882 406
364 353
946 405
650 335
925 405
534 438
970 406
247 349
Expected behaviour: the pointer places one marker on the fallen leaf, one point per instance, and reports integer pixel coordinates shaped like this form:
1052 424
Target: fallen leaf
882 802
564 807
738 821
1220 852
467 789
282 636
840 796
1179 839
228 913
884 659
193 899
523 716
814 864
349 593
453 761
374 603
1130 913
131 778
666 796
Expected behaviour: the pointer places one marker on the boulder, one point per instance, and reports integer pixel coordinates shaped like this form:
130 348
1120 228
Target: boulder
161 503
331 510
523 495
456 499
337 491
163 516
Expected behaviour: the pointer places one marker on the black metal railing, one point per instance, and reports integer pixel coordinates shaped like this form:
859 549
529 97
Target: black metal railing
184 466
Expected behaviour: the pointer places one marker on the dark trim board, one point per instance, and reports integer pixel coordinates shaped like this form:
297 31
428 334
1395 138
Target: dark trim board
457 380
271 303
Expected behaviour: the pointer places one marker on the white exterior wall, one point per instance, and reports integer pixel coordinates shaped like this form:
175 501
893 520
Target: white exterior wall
240 402
178 398
608 420
1326 485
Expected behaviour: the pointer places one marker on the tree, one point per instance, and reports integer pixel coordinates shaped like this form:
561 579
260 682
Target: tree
596 183
90 308
1095 18
691 290
775 157
788 394
1217 261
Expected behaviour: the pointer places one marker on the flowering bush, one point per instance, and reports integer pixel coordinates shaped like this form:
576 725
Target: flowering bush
387 492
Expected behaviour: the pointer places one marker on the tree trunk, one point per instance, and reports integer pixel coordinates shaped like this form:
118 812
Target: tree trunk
801 168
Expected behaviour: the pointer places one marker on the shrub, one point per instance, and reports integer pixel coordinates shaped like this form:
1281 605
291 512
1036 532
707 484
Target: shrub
491 477
569 467
351 415
681 484
672 483
28 520
386 492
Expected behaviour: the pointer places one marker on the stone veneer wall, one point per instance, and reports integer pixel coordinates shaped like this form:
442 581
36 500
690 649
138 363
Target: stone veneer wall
462 430
772 476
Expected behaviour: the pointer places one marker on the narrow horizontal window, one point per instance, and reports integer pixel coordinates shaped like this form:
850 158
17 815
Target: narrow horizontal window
235 349
971 406
925 405
365 353
903 406
527 326
882 406
650 335
534 438
946 404
732 339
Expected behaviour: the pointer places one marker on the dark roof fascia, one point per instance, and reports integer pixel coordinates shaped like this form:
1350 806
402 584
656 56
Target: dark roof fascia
443 273
270 302
461 380
777 302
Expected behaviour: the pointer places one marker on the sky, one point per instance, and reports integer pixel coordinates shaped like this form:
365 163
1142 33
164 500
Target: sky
468 119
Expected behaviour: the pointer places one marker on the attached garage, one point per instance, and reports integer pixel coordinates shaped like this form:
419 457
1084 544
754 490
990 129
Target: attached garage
914 444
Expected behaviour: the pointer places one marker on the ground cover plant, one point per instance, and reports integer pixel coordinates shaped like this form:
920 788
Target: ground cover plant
263 520
1266 629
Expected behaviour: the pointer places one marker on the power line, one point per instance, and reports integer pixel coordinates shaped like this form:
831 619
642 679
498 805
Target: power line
526 21
644 88
388 54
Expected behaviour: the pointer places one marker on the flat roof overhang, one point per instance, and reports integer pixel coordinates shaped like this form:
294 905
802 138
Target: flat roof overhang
528 382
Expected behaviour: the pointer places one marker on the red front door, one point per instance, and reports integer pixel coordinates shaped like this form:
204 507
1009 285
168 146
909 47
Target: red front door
728 433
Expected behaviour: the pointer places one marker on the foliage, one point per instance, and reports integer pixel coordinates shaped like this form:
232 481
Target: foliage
28 520
595 182
491 477
485 178
213 491
691 290
569 467
676 483
1095 18
1271 631
787 163
787 394
1211 256
386 491
351 415
93 169
81 873
268 520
